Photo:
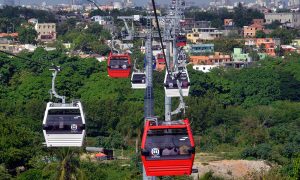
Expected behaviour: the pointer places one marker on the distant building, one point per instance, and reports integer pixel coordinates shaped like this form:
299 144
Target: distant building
228 22
103 20
250 31
296 43
200 34
46 31
217 58
8 45
294 3
287 19
288 48
204 68
8 2
238 55
258 21
33 21
189 23
200 48
266 45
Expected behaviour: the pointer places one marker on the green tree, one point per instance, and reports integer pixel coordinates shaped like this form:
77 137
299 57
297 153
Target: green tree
260 34
27 35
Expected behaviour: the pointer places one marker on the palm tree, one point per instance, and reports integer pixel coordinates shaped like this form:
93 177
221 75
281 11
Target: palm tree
66 166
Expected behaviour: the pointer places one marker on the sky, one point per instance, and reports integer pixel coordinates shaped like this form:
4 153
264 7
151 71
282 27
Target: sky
138 2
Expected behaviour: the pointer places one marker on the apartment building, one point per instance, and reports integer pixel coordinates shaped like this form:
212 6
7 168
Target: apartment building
290 19
46 31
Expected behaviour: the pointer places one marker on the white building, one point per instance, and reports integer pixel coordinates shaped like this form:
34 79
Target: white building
205 68
33 21
287 19
102 20
46 31
294 3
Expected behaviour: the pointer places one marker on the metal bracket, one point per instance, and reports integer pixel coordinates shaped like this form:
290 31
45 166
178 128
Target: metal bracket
52 91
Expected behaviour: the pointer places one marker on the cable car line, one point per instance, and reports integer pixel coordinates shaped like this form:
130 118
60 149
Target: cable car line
159 34
24 58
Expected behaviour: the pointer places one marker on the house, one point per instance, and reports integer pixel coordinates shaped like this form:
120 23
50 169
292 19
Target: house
188 24
258 21
204 68
296 43
46 31
267 45
228 22
238 55
200 48
8 46
102 20
200 34
217 58
288 48
250 31
33 21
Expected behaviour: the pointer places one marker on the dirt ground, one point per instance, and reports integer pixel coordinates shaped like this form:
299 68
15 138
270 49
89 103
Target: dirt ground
228 169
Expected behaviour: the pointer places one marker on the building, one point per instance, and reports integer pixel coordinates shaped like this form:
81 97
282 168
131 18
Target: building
296 43
200 49
217 58
103 20
294 3
33 21
258 21
189 23
266 45
290 19
200 34
250 31
228 22
204 68
238 55
9 2
46 31
288 48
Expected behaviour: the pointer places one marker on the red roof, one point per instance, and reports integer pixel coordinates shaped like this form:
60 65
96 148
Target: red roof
9 34
100 155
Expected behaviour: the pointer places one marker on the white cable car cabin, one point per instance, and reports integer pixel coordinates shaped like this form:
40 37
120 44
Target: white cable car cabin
138 80
171 86
64 125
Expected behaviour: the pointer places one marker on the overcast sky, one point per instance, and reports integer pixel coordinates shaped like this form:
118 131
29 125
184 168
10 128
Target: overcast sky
139 2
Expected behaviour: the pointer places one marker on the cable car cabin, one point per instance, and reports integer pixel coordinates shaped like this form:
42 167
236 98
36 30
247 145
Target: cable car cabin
64 125
118 65
171 86
138 80
153 62
160 58
180 40
168 149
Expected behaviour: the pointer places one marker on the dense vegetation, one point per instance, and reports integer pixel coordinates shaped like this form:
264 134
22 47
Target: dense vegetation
253 112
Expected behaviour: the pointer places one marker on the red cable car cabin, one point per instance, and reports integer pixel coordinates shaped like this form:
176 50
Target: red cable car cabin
118 65
168 149
180 40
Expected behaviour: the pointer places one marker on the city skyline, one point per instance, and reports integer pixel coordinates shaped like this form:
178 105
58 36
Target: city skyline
51 2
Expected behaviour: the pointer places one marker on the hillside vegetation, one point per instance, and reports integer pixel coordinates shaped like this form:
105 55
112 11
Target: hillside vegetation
253 113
